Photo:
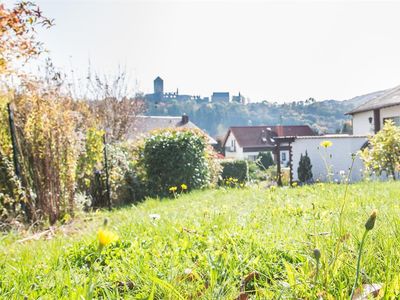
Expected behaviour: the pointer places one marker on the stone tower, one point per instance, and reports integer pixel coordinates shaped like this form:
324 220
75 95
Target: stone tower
158 86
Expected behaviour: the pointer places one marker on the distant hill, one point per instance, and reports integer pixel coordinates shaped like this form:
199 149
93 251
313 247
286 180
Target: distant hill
326 116
356 101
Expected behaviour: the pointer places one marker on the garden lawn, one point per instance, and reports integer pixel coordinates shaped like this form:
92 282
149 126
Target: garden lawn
204 243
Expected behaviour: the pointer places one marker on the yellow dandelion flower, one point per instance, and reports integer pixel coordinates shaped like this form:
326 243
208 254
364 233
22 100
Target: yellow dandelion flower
173 189
106 237
184 186
326 144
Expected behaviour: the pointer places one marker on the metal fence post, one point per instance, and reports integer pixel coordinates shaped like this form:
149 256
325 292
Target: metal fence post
14 143
106 170
17 168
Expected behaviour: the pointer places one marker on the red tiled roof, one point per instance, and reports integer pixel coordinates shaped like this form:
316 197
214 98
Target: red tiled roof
262 136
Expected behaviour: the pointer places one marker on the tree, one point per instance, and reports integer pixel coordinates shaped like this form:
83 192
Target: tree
114 104
304 170
17 34
347 127
383 153
265 160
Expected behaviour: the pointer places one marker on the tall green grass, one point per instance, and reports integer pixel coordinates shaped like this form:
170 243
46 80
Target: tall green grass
205 244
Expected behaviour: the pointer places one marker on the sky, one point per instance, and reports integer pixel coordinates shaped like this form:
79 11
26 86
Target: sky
276 51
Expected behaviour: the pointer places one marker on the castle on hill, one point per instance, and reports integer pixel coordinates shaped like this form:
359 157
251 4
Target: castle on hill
159 95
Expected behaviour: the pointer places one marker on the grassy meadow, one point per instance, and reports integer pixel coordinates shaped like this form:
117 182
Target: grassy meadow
214 244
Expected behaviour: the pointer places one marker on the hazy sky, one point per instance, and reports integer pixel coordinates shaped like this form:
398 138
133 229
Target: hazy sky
278 51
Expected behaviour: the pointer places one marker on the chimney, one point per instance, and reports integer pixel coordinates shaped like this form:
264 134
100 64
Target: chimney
185 119
279 130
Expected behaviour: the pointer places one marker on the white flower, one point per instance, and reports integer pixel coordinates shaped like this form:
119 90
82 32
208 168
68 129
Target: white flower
154 216
188 271
342 172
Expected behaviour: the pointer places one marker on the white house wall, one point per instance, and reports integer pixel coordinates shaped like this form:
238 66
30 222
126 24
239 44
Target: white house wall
361 125
388 112
339 156
238 153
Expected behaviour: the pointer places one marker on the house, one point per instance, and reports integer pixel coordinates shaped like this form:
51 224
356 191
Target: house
143 125
369 117
239 99
246 142
220 97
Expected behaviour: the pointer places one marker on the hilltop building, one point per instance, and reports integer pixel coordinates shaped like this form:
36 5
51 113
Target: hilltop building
159 95
239 99
158 86
220 97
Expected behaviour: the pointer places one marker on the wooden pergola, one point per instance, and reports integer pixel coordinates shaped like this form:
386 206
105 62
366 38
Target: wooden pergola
283 143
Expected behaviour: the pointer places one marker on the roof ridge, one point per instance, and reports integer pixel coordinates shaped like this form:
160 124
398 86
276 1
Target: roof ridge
366 106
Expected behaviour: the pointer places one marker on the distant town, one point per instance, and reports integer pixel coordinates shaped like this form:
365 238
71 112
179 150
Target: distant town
159 95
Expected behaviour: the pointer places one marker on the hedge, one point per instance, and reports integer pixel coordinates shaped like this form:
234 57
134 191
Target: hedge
237 169
174 157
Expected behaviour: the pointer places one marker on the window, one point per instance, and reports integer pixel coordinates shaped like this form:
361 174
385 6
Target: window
396 120
283 156
233 145
252 157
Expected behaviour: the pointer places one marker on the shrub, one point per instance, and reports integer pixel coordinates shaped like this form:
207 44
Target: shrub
48 131
174 156
384 151
265 160
121 173
237 169
90 159
256 173
304 170
12 195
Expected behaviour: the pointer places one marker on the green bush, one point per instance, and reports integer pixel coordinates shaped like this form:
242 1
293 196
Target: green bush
256 173
304 170
265 160
383 153
173 157
237 169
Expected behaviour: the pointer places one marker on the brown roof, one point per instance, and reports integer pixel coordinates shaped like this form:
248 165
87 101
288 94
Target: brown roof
263 136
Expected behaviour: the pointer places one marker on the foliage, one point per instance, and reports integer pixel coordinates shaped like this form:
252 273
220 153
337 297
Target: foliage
17 33
383 153
85 255
113 104
265 160
237 169
327 157
121 174
323 116
171 157
91 159
59 140
48 140
12 194
204 244
304 170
